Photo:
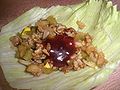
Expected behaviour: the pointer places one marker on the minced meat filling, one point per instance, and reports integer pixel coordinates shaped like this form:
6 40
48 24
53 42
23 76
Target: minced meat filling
49 46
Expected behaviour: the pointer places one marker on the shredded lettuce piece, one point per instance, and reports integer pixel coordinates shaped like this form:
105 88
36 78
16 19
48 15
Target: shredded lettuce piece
102 22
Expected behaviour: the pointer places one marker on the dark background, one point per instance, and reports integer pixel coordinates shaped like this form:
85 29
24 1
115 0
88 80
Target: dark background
10 9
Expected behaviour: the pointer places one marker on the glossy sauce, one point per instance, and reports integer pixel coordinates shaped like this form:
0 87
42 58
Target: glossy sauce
62 48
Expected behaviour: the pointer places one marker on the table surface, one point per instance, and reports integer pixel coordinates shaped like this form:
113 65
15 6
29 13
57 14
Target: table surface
10 9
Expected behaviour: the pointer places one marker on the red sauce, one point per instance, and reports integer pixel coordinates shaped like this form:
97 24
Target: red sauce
62 48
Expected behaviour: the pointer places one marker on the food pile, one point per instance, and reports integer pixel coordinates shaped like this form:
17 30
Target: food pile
49 46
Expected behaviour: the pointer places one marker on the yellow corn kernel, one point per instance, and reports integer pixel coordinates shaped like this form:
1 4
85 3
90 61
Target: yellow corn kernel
26 29
47 65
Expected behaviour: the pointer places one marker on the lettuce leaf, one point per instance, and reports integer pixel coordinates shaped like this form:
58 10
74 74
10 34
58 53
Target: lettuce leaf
102 21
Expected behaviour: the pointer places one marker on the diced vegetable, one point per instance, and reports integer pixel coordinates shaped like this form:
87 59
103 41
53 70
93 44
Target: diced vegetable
47 68
26 31
80 36
28 55
22 50
52 20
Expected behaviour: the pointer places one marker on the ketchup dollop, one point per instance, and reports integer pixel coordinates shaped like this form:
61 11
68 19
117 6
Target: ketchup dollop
62 48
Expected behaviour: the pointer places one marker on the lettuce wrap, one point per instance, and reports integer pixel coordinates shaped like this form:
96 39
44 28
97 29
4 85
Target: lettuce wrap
102 22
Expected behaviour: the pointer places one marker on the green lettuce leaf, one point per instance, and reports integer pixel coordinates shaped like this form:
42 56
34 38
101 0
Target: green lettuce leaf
102 21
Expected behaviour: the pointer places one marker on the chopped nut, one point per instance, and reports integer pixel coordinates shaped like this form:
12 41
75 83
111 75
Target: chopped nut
46 52
45 34
51 35
89 63
37 38
50 31
78 44
70 32
92 57
96 55
43 56
36 56
30 42
83 43
73 56
70 63
60 26
48 47
38 51
66 69
79 56
81 64
90 49
60 29
60 68
88 44
55 68
15 40
38 61
78 64
41 24
38 45
80 24
88 38
83 48
53 27
101 60
34 69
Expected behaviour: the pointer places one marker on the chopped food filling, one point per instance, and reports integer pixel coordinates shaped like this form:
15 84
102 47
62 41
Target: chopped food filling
49 46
